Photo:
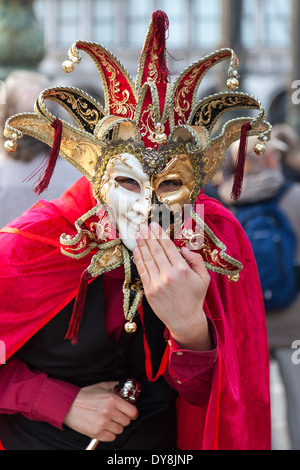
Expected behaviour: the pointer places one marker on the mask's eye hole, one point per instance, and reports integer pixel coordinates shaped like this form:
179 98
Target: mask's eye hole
169 186
128 183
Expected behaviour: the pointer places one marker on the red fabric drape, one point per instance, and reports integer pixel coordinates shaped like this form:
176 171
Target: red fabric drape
238 413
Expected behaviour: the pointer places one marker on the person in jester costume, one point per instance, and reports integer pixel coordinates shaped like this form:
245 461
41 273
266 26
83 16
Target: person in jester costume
134 276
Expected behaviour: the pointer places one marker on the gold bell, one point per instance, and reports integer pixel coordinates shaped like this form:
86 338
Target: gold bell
234 278
130 327
260 149
160 137
68 66
10 146
233 84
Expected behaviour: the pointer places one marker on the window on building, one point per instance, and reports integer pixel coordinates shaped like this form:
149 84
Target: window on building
178 14
103 21
206 23
67 22
193 23
123 23
278 15
138 15
266 23
60 20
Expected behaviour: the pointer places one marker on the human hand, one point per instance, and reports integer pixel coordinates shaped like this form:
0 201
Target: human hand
174 285
99 413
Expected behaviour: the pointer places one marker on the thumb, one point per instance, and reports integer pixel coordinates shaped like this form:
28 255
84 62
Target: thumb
195 261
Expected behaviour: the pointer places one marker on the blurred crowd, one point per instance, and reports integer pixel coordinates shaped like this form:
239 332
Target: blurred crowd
18 94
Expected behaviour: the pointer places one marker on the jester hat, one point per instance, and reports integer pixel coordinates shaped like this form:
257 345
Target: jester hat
152 114
152 119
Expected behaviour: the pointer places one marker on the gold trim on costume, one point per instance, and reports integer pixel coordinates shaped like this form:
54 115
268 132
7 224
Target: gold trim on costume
83 108
217 256
116 100
152 120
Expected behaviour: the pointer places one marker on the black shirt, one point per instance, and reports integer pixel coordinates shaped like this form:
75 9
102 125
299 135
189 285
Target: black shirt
95 358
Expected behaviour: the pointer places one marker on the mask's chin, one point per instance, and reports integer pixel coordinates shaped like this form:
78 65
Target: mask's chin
127 233
130 244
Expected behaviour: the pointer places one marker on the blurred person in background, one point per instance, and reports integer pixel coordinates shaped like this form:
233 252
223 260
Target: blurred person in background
290 151
211 190
18 93
265 184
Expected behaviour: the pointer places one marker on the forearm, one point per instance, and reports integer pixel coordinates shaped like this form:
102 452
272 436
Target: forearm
34 394
194 336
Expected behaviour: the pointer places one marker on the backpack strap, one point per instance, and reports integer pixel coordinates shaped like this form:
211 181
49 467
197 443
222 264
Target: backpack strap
284 188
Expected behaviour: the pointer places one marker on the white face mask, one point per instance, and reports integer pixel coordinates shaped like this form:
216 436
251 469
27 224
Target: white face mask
126 193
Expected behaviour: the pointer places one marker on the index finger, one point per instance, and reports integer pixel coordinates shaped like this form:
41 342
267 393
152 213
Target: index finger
126 408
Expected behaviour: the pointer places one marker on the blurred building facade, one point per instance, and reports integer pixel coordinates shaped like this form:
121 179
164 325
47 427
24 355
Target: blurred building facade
263 33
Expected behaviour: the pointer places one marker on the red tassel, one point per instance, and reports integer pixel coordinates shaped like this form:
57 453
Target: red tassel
44 180
72 333
160 25
240 167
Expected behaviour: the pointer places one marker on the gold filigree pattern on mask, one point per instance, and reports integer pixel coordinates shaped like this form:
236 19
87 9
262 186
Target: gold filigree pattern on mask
154 64
182 105
214 107
77 104
148 123
187 84
120 99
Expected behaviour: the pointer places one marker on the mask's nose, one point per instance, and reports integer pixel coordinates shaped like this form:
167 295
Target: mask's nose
141 203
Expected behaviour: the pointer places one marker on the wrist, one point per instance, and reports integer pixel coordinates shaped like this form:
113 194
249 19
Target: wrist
195 335
53 402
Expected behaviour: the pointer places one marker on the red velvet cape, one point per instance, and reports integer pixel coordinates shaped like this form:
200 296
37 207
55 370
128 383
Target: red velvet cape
37 281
